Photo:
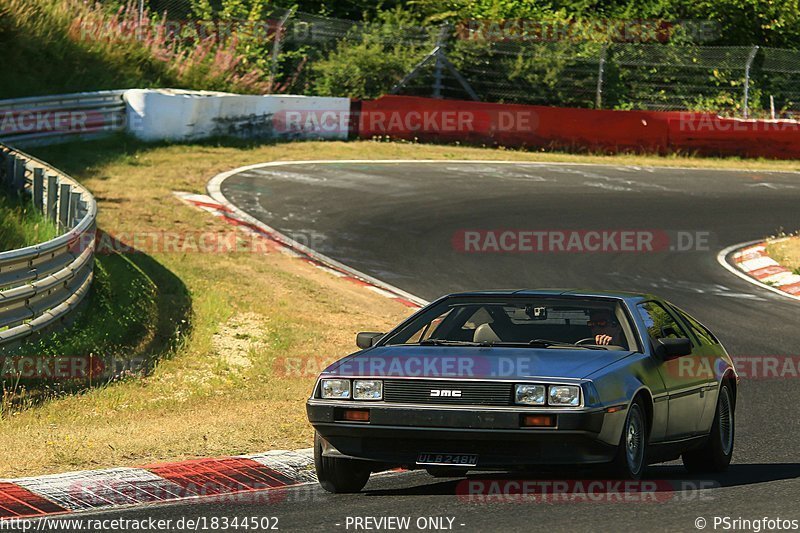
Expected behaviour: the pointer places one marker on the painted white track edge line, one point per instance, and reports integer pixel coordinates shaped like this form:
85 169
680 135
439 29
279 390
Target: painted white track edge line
214 188
505 162
722 260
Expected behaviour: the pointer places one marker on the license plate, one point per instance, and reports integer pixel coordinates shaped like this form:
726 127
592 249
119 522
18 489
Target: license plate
453 459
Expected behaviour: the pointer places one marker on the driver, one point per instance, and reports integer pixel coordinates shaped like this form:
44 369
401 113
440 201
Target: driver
605 328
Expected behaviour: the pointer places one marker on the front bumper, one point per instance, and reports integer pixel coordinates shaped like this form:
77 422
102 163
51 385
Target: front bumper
396 434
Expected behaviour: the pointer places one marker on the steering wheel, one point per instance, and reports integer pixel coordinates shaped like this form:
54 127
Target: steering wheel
586 340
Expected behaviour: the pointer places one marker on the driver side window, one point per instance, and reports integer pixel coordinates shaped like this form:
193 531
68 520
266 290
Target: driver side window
659 323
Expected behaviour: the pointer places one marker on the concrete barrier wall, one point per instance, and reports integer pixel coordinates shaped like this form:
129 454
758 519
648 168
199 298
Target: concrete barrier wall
175 115
428 119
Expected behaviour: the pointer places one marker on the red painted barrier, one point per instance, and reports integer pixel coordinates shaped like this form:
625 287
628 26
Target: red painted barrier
428 119
708 134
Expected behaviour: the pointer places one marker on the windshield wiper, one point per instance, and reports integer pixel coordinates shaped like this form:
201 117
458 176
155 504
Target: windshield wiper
536 343
445 342
545 343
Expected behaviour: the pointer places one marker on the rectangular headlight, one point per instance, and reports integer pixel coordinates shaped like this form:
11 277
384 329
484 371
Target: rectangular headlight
529 394
368 389
335 389
564 395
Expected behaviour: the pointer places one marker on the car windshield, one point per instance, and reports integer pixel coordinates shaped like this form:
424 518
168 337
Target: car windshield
535 322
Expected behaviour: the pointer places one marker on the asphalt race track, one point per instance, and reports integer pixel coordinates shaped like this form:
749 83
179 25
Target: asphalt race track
401 222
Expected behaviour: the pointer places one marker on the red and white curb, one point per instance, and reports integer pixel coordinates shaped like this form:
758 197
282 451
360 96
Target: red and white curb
244 476
280 242
751 262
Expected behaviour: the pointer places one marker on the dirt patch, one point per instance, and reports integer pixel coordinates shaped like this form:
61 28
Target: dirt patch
238 338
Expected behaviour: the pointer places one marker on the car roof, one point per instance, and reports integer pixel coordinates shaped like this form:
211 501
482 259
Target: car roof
578 293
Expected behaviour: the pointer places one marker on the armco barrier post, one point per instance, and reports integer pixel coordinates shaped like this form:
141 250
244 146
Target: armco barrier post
9 168
74 203
52 195
63 205
38 188
19 174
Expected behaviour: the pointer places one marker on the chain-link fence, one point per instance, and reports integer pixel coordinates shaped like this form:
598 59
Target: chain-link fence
738 81
779 83
312 54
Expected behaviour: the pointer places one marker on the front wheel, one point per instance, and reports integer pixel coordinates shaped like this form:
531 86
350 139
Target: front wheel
337 474
629 462
716 454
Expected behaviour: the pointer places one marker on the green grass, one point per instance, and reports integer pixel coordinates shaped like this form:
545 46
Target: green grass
20 224
62 46
134 315
115 318
46 57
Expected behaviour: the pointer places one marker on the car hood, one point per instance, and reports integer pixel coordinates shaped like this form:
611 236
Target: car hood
474 362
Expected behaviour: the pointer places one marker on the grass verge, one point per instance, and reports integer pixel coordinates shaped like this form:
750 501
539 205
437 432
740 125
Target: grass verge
223 386
786 251
20 224
134 314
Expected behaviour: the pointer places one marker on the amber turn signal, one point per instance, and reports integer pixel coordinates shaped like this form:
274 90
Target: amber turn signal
356 415
539 421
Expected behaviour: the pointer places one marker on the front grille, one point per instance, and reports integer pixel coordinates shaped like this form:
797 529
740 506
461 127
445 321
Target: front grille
471 392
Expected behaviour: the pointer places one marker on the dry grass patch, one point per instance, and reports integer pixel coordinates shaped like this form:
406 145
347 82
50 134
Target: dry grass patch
219 391
786 251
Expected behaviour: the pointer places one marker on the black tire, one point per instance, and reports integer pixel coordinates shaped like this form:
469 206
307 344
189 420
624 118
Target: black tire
443 471
339 475
631 458
716 453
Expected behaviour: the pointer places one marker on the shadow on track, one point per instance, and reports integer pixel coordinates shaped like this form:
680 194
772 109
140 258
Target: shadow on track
663 479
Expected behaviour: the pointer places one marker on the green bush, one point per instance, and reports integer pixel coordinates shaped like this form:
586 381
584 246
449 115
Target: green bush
372 59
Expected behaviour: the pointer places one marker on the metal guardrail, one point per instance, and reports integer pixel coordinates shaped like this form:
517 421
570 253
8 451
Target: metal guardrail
41 285
48 119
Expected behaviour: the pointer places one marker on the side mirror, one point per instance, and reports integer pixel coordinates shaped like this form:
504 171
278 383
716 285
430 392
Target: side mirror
666 331
366 339
669 349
